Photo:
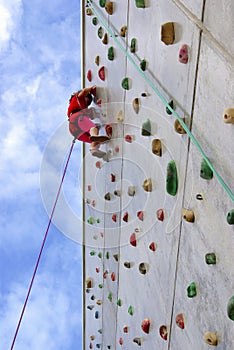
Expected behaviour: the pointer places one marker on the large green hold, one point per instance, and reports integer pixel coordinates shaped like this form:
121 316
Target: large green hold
111 53
125 83
230 308
230 217
172 178
206 172
146 128
143 65
140 3
102 3
133 45
192 290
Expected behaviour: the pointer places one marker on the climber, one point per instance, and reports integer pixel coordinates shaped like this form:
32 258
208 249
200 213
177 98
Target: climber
80 117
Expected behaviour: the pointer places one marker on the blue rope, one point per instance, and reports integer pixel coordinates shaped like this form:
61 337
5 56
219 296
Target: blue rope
162 98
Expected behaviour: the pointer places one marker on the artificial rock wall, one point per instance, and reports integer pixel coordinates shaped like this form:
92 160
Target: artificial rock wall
148 281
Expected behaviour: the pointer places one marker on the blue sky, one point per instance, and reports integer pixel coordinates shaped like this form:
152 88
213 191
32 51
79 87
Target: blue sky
40 67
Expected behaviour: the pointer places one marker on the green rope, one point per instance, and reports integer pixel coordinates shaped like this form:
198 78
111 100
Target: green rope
162 98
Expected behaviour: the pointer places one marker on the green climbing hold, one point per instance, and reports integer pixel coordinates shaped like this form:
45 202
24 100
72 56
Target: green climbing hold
125 83
210 258
100 255
100 32
205 172
90 220
100 285
107 255
130 310
172 179
98 221
171 103
143 65
109 296
102 3
95 21
230 308
192 290
140 3
119 302
133 45
92 252
110 53
146 128
230 217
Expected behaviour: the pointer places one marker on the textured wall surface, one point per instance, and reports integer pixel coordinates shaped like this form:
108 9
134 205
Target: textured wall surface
121 297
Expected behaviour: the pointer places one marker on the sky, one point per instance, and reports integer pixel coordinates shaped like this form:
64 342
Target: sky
40 64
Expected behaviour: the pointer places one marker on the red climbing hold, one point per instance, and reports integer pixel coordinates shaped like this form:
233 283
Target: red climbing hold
125 217
101 73
97 269
128 138
112 177
183 54
89 75
140 215
121 341
145 326
114 217
133 241
99 102
125 329
160 214
152 246
113 276
117 149
105 274
180 321
98 164
163 332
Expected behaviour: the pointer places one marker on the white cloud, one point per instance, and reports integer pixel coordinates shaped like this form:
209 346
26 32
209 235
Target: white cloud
10 12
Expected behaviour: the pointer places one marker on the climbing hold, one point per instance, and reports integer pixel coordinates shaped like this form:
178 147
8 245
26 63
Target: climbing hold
90 345
145 325
110 53
160 214
140 3
143 65
107 255
199 196
89 283
102 3
128 138
230 217
105 39
152 246
211 338
108 346
101 73
98 164
95 21
131 191
210 258
133 45
133 241
89 75
93 203
144 94
130 310
119 302
89 11
172 179
97 269
89 187
109 296
123 31
117 193
192 290
125 217
205 171
96 314
125 329
98 221
99 302
119 117
188 215
92 297
183 54
100 285
92 337
116 257
143 268
171 104
127 264
100 331
180 321
109 7
100 255
102 234
147 185
167 33
146 128
125 83
157 147
107 196
92 252
90 220
140 215
90 307
117 149
135 104
137 341
97 59
163 332
228 115
113 177
121 341
230 308
98 346
100 32
178 127
113 276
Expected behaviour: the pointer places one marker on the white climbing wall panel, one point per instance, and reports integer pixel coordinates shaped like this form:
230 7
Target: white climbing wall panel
121 297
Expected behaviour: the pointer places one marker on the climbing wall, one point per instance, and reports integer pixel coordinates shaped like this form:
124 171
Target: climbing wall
158 234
